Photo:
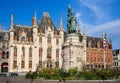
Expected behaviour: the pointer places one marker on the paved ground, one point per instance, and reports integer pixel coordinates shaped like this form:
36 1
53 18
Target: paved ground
23 80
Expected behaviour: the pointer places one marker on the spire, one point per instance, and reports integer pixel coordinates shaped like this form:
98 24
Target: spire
12 21
61 25
78 29
35 16
34 20
110 40
84 33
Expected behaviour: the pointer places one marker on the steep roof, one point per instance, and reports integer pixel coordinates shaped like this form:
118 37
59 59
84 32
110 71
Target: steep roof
20 28
2 34
45 23
94 41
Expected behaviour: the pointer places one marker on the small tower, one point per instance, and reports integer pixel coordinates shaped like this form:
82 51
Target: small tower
12 30
61 25
110 43
34 27
34 22
12 22
61 30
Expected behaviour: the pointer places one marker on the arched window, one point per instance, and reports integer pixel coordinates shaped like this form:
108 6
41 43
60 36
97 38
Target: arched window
49 39
57 52
23 64
40 52
40 40
49 52
30 64
30 52
23 51
57 41
15 51
14 64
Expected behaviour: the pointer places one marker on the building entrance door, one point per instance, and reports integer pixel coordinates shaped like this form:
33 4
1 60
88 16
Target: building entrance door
4 67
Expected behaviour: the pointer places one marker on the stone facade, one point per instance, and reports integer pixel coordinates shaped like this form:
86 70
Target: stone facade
37 46
4 51
116 59
42 45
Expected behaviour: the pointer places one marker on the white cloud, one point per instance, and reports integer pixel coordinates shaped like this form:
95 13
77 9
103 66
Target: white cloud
78 14
111 28
96 7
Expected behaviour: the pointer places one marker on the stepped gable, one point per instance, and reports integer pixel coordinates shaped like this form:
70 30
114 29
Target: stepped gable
45 23
94 41
19 30
3 34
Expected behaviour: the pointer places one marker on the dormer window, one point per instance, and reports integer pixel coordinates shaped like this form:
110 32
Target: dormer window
23 38
98 44
89 43
6 36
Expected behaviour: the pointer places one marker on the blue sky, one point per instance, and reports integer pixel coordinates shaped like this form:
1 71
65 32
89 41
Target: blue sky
95 15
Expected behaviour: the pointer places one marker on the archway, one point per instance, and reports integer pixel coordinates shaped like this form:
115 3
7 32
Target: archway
4 67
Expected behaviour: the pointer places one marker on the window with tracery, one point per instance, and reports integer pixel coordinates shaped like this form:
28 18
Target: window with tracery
57 52
49 39
14 64
40 40
57 41
22 64
23 51
15 51
30 52
40 52
49 52
30 64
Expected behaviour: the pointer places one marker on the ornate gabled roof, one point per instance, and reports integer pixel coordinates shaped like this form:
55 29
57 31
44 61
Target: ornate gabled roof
3 34
45 23
20 28
94 41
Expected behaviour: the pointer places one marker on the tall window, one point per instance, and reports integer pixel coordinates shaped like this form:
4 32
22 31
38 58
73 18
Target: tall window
23 51
40 64
22 64
40 52
49 52
14 64
30 52
57 41
40 40
15 51
57 52
57 64
30 64
49 39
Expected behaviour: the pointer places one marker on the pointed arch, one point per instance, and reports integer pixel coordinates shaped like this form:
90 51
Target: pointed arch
30 52
49 39
15 51
23 51
49 51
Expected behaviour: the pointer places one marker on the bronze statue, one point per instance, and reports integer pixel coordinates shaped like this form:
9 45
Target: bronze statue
71 24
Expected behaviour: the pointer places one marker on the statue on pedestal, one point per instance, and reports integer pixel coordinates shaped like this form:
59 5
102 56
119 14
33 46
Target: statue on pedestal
71 22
